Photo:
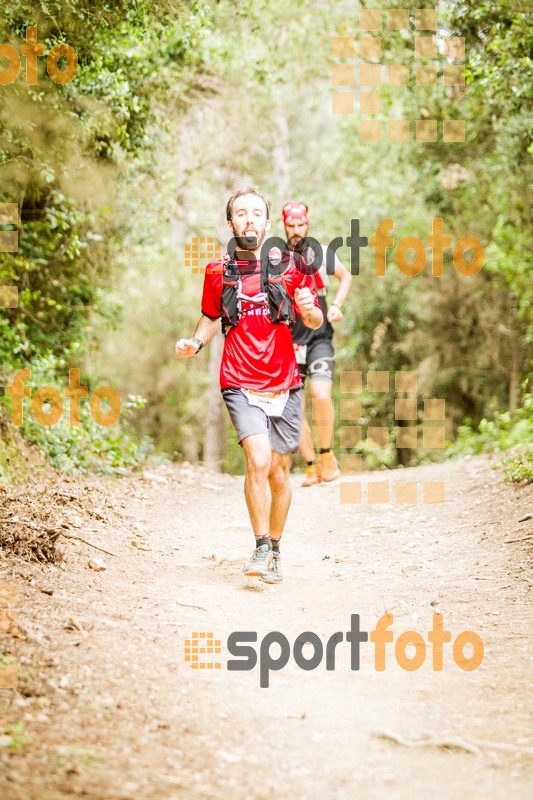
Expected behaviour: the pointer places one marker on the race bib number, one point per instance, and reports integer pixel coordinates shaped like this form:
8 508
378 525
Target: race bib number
300 351
272 403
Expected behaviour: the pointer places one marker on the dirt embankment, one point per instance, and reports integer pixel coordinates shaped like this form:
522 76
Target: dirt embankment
108 708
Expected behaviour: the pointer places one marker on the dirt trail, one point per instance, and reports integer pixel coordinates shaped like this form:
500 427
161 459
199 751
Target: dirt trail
113 711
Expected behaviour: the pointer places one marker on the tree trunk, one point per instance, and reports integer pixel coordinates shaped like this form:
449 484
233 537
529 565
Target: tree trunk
282 158
517 356
215 421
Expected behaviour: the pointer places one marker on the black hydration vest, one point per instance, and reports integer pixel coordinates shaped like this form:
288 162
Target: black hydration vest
280 305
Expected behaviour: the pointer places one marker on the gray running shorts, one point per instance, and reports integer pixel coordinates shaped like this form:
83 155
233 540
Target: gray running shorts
284 431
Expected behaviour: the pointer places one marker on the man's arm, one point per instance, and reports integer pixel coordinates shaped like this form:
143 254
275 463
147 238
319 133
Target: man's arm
312 316
205 331
345 281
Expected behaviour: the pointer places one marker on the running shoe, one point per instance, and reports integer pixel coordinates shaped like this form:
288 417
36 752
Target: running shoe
258 563
274 573
311 476
328 468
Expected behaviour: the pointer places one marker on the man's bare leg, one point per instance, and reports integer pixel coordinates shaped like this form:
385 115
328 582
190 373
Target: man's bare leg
256 483
306 438
323 411
280 487
324 418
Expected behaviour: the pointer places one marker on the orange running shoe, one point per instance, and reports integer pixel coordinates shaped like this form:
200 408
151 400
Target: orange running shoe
328 469
311 476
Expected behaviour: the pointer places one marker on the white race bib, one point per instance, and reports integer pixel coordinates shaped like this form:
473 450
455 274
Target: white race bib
272 403
300 351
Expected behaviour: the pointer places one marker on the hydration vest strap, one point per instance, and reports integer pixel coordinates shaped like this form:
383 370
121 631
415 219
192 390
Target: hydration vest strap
279 302
230 301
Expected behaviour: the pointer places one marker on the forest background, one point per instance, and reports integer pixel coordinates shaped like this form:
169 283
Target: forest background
175 105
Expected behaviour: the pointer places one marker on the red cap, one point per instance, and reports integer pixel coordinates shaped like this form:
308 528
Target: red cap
295 212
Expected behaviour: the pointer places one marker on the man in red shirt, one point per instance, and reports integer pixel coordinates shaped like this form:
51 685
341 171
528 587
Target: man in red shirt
314 348
259 377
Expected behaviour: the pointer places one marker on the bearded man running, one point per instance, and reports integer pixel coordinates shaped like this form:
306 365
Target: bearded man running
314 348
257 295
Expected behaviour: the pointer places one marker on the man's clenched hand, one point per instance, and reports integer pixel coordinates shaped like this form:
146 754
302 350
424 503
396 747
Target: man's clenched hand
312 316
304 300
334 313
186 348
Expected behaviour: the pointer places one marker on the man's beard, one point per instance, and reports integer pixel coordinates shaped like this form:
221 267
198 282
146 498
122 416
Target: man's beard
252 243
297 244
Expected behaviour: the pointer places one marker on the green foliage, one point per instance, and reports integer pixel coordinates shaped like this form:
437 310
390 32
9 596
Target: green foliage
504 432
235 462
176 104
519 467
510 263
63 150
89 446
18 737
55 295
500 433
470 339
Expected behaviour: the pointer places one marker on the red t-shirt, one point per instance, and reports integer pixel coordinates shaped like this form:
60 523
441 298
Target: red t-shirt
257 353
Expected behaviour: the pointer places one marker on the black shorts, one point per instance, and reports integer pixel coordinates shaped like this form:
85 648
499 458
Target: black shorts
316 360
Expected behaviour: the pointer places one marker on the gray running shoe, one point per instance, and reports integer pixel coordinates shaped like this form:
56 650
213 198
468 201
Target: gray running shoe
274 573
258 564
